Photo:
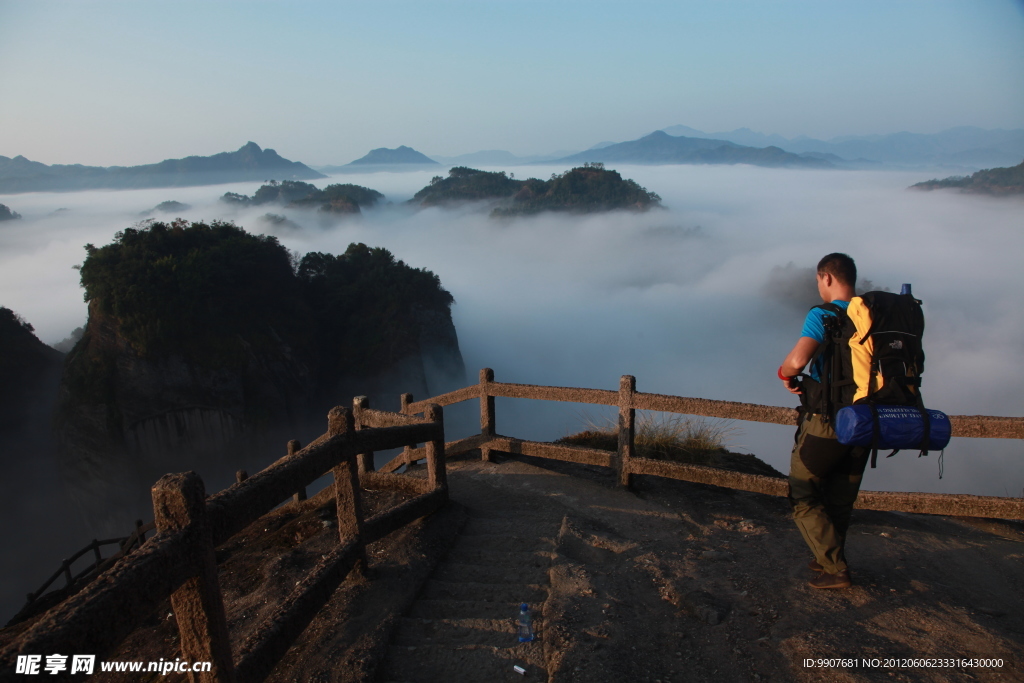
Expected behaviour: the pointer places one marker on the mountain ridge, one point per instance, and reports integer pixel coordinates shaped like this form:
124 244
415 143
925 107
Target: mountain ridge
661 148
960 145
400 158
992 181
249 162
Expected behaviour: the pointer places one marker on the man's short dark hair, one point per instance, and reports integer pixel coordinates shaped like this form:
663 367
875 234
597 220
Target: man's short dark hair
839 266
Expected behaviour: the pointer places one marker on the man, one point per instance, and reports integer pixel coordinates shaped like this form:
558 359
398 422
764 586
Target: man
824 475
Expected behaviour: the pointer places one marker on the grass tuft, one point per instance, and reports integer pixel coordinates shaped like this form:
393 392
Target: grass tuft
660 436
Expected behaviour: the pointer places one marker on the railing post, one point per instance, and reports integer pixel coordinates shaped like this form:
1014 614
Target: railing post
405 400
437 474
96 551
346 486
627 428
294 446
179 501
240 476
140 535
364 460
487 427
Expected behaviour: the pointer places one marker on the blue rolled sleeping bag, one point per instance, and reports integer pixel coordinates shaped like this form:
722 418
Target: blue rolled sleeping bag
898 427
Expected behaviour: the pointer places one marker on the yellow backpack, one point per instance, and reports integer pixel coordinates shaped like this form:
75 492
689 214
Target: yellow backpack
872 355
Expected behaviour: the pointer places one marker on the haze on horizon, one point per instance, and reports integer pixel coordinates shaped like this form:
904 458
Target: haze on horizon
122 83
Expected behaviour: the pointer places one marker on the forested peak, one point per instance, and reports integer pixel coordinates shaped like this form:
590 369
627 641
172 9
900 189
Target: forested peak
467 184
337 198
170 286
11 321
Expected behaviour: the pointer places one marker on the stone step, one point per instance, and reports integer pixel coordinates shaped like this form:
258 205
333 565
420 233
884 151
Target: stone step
465 664
532 594
504 542
456 632
543 526
480 573
469 609
495 558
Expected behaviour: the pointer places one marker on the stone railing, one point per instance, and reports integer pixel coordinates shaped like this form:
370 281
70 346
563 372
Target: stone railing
626 463
178 561
74 581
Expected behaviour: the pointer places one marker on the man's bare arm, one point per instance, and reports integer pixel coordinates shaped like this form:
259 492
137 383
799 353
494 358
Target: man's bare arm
797 360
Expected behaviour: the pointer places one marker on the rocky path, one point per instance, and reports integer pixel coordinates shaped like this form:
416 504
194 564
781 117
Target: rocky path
463 625
669 582
680 582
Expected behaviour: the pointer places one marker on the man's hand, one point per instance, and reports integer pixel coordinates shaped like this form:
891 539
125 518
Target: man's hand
795 362
791 383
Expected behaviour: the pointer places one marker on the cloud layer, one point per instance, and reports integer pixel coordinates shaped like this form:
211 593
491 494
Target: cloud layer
676 297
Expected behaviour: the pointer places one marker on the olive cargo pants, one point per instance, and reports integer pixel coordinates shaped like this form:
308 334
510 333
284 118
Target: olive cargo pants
824 479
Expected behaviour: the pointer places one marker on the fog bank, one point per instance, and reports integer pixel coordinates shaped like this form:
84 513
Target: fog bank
676 297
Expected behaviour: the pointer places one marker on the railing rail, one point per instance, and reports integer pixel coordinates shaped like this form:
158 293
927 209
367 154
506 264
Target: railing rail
626 463
75 581
972 426
178 561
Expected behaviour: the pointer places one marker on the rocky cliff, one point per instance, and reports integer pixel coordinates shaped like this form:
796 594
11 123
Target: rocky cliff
37 530
29 370
208 348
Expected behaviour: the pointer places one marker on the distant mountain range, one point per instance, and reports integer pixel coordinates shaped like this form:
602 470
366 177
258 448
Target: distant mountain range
962 146
249 162
499 157
401 158
661 148
960 149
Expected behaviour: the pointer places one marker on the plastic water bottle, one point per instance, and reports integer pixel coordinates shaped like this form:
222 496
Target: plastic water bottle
525 624
906 289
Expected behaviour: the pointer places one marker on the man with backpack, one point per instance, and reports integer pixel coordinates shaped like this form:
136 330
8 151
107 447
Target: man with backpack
825 475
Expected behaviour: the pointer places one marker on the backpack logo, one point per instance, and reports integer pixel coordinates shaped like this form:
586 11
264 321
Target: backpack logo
897 344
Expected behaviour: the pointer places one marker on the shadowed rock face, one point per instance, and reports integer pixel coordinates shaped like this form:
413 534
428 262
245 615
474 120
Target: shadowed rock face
36 528
29 370
192 384
134 418
169 416
443 367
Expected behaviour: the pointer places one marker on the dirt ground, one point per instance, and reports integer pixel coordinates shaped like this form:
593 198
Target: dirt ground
701 583
670 582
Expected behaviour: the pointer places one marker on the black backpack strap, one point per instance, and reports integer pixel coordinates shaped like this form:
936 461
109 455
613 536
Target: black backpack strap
927 438
822 407
876 431
829 387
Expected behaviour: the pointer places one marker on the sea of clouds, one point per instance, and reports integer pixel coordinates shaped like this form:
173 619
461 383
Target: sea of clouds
695 299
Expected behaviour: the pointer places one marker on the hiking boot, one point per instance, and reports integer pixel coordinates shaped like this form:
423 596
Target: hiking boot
826 580
814 566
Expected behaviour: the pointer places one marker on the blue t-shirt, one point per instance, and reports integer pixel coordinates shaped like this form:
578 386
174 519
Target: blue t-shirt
814 327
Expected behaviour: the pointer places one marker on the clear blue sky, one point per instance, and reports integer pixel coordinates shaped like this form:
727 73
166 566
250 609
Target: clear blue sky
323 82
